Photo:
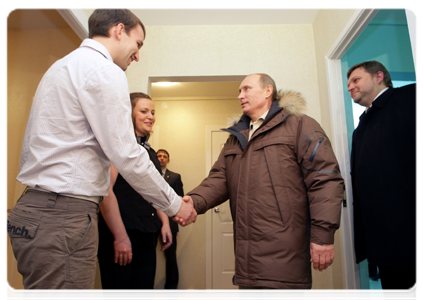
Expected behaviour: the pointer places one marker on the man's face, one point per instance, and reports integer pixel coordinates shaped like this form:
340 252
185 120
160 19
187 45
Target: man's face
255 100
163 159
130 45
363 86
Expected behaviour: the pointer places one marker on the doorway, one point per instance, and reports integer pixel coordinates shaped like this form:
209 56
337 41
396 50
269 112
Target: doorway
189 115
366 29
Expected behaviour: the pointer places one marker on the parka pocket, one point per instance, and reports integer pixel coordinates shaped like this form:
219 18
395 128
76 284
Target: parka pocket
278 151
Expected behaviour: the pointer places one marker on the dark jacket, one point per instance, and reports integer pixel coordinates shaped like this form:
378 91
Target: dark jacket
383 169
285 191
175 182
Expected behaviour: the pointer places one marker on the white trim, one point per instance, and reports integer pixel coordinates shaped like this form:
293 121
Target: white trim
347 37
77 20
413 20
209 235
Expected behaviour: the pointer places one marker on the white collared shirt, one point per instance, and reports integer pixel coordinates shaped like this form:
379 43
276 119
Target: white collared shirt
80 121
381 92
255 125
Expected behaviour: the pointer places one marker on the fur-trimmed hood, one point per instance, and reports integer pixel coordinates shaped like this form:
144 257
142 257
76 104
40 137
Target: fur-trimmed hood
292 102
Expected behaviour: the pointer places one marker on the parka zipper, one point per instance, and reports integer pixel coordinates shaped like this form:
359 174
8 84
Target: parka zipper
319 142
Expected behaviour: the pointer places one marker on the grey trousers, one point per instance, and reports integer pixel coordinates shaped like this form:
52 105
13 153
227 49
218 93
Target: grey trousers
262 293
54 240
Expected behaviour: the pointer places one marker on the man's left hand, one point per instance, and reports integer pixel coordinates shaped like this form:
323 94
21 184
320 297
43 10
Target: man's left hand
321 256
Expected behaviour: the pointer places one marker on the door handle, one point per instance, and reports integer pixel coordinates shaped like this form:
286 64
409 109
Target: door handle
216 210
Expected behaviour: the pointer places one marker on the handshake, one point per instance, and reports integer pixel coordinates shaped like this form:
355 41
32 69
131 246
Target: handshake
186 214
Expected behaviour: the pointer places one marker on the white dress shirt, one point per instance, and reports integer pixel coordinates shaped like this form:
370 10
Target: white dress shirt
80 121
255 125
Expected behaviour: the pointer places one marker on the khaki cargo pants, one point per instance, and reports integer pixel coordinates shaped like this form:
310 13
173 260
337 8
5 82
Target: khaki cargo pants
54 239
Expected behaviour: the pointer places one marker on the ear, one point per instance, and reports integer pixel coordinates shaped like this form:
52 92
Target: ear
379 77
117 31
269 91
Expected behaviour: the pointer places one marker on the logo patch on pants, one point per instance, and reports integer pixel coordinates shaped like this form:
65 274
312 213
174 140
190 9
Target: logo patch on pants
17 227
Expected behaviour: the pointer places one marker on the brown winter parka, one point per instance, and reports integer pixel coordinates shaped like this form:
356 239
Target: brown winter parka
285 191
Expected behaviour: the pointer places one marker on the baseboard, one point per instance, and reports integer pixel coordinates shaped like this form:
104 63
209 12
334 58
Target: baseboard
186 291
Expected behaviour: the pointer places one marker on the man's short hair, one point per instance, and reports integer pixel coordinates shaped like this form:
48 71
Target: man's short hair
373 67
101 20
163 150
266 80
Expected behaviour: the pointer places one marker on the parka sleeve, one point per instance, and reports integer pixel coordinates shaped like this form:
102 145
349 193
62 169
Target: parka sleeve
213 190
322 179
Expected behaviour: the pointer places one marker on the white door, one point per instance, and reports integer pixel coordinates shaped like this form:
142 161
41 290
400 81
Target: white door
222 231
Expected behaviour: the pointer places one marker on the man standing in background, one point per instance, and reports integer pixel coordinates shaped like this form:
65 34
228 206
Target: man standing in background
175 182
383 170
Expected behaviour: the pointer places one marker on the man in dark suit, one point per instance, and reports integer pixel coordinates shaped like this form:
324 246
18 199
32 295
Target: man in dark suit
383 169
175 182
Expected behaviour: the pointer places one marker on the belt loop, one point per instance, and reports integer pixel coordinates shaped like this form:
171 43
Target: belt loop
51 200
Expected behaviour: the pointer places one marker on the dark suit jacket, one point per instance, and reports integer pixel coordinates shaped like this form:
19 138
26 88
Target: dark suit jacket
175 182
383 169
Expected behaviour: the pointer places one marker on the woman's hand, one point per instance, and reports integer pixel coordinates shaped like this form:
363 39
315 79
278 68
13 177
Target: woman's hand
123 251
166 236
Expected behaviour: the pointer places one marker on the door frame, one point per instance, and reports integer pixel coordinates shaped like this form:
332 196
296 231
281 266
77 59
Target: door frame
354 28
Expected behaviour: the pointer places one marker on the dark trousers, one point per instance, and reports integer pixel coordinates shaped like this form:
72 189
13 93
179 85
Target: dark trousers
397 277
172 273
140 273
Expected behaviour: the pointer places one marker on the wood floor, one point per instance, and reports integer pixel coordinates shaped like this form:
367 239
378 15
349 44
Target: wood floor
199 296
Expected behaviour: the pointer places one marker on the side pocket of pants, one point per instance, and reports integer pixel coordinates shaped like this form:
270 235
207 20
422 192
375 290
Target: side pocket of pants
75 230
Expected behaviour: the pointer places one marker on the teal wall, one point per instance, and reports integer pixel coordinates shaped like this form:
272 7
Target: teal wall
387 40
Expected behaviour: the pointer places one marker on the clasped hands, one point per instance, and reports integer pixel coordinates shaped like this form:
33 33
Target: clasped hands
186 214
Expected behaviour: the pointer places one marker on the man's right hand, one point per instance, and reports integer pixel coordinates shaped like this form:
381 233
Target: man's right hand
186 214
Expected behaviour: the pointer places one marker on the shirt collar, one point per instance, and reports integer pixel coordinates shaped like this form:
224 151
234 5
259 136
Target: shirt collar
381 92
90 43
260 119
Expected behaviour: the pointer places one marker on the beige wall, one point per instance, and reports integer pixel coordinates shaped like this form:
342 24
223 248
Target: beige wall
327 27
30 53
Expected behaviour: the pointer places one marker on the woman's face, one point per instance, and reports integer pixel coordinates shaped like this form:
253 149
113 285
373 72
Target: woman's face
143 116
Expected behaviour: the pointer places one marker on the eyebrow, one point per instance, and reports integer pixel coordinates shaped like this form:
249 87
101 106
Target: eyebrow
243 87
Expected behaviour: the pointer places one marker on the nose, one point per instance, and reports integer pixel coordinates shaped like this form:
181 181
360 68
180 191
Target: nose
350 87
136 56
241 95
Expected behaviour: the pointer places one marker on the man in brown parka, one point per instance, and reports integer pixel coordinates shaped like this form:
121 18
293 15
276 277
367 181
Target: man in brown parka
284 185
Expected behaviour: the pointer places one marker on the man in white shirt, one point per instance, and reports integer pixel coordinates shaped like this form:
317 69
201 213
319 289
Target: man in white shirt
80 122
